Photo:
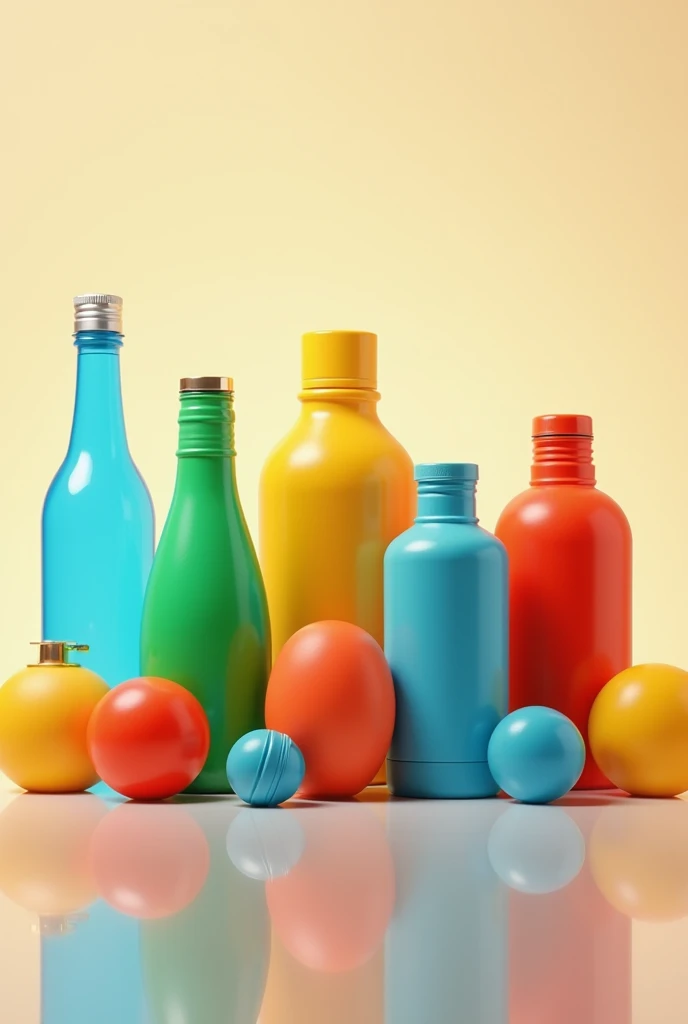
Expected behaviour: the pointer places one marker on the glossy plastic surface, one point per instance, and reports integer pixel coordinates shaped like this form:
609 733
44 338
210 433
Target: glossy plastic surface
89 954
205 622
209 963
570 553
148 738
149 861
331 690
638 730
536 755
569 948
333 494
446 952
44 715
265 768
97 526
414 890
446 634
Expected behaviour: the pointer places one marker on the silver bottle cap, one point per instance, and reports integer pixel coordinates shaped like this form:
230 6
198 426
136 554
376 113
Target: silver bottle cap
97 311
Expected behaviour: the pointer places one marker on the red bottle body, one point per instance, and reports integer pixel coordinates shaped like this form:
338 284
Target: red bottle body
570 568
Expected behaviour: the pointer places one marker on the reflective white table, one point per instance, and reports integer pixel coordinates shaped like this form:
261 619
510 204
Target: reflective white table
205 911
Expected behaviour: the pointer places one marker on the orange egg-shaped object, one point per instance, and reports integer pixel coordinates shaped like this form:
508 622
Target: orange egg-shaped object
331 911
638 855
331 691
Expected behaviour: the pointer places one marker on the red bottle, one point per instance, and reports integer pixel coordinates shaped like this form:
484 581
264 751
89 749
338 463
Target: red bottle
569 548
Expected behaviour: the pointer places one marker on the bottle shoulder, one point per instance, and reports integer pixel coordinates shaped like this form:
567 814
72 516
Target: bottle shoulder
542 508
337 441
446 541
88 475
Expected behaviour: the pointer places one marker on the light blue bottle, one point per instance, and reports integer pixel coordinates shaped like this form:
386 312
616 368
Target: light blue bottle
446 640
98 527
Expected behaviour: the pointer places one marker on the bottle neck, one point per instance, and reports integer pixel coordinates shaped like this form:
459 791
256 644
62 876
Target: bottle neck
561 459
326 400
440 501
98 421
206 425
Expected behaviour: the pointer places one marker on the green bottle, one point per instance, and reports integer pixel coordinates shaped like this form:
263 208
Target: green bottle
205 618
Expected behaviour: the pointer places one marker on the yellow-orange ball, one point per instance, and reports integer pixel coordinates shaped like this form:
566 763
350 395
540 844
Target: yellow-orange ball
638 730
44 713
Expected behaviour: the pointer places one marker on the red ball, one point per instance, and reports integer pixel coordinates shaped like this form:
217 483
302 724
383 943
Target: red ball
149 862
148 738
332 692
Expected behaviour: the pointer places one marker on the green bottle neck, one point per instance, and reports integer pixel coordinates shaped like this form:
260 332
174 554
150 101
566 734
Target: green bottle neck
206 425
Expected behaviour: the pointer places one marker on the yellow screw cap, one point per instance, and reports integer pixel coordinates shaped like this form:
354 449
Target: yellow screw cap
339 359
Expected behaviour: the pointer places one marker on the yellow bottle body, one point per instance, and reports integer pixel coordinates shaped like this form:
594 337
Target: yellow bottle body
333 494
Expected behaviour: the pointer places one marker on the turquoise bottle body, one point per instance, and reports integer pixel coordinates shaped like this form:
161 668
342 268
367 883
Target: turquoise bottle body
446 640
205 619
98 529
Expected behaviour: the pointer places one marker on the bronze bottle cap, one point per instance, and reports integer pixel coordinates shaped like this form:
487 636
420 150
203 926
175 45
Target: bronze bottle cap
206 384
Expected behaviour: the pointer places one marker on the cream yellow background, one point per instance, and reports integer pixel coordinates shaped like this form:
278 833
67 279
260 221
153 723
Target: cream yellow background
497 188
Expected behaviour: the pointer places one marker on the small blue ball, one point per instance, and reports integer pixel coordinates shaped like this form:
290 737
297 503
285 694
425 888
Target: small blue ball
265 768
536 755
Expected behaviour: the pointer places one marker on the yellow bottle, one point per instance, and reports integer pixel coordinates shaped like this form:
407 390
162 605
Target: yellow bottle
333 494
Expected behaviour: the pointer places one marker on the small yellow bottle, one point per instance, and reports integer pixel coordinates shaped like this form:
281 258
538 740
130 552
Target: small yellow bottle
333 494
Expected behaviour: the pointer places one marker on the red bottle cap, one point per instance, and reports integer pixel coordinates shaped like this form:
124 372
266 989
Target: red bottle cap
562 425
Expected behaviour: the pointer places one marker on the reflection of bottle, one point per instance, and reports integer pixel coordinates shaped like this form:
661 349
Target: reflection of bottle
205 622
296 994
446 630
569 950
329 915
208 963
98 529
446 950
335 491
90 969
569 548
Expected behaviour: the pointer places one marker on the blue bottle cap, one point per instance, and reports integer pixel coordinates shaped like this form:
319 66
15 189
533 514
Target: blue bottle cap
448 472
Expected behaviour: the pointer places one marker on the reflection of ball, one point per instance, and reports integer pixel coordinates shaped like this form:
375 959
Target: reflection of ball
265 844
331 690
148 738
638 857
638 730
536 755
44 845
149 861
536 849
265 768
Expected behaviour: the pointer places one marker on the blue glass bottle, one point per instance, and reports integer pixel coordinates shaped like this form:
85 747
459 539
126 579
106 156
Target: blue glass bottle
98 524
446 640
